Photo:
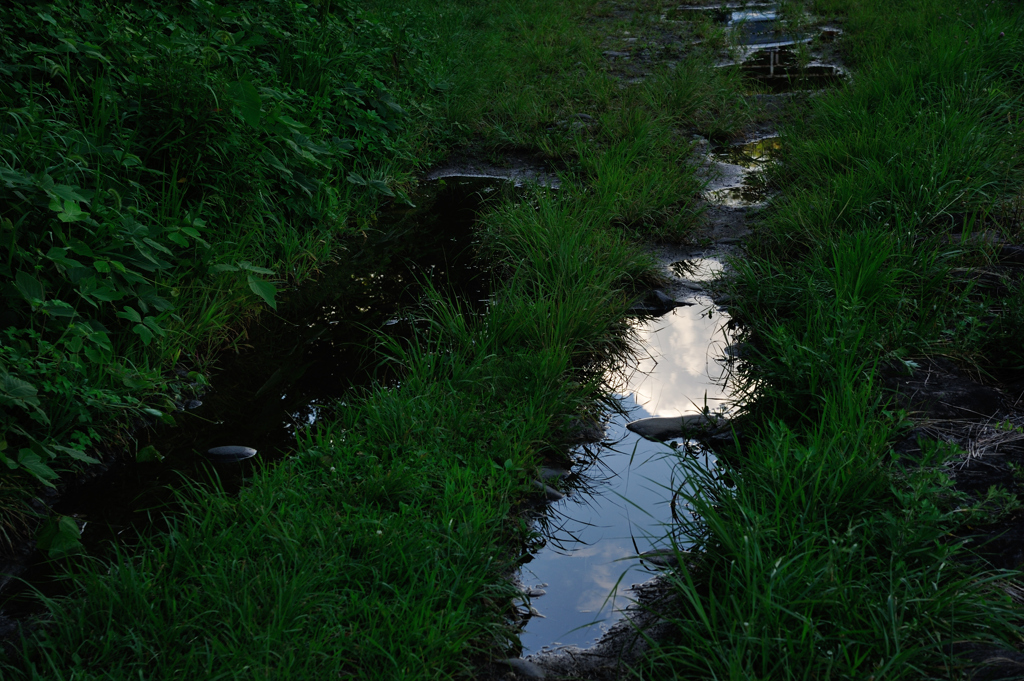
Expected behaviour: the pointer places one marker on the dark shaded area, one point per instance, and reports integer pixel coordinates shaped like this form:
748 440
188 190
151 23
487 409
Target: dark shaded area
938 389
290 371
987 663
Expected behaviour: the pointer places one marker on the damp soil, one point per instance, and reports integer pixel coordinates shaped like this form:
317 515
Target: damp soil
290 370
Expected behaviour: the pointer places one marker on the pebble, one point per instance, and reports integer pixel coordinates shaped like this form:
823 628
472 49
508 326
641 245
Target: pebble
231 453
553 473
662 428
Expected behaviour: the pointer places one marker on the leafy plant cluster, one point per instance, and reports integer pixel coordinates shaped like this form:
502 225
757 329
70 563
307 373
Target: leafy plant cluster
162 165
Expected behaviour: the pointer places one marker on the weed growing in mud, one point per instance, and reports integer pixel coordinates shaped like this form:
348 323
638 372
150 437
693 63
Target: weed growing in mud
829 555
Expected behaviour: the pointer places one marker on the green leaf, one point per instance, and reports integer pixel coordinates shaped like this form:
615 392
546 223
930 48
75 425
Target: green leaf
247 102
33 463
249 267
68 193
148 454
76 454
60 537
29 287
294 124
69 211
153 325
144 333
223 268
264 289
130 314
381 188
58 308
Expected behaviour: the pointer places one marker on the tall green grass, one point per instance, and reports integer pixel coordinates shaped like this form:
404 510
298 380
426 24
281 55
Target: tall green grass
822 553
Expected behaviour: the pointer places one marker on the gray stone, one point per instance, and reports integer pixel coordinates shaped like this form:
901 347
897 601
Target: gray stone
524 668
584 117
662 428
231 453
553 473
550 493
667 300
656 303
612 54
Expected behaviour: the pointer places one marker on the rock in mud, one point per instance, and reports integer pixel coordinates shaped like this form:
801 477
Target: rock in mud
550 493
656 303
524 668
231 453
553 473
662 428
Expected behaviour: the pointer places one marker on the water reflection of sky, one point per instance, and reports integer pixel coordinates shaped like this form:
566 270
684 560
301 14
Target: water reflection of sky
585 564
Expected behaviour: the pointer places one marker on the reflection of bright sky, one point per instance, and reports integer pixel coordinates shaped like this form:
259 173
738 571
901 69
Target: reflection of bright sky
583 562
683 347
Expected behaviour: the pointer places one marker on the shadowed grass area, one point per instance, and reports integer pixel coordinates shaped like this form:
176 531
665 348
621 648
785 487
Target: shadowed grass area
821 552
381 549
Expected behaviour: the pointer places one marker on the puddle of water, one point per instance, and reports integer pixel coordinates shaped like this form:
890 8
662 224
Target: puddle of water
298 365
740 179
622 505
751 155
761 27
748 25
779 70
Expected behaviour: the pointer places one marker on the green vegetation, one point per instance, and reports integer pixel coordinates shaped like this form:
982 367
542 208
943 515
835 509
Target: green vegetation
391 527
167 168
831 557
162 167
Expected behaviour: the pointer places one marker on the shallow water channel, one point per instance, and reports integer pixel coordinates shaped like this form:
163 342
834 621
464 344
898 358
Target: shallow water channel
289 371
578 583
